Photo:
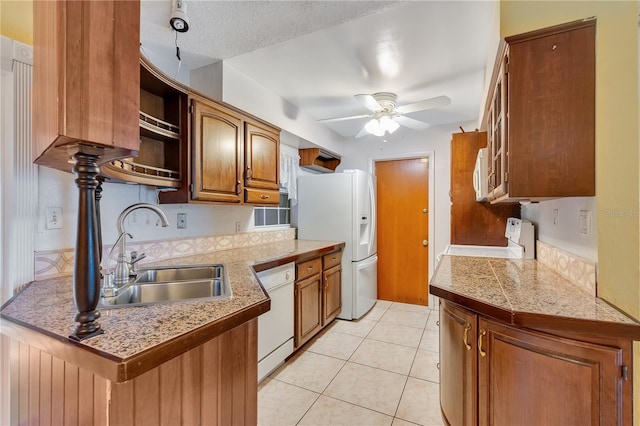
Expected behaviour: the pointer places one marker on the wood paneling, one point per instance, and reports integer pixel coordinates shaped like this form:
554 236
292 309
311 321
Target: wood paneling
403 225
215 383
474 223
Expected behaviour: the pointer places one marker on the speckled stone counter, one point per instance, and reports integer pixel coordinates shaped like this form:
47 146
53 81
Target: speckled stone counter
528 294
155 333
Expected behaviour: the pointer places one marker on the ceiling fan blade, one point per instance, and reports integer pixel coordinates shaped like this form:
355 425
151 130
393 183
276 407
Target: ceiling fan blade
369 102
411 123
352 117
436 102
362 133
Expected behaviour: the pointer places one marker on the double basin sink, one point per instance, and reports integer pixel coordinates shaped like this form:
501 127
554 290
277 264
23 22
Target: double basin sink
171 284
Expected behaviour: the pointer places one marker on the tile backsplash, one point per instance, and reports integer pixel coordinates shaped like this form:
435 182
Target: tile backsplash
55 263
578 270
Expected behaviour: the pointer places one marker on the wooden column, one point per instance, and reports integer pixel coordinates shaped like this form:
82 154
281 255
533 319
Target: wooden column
86 274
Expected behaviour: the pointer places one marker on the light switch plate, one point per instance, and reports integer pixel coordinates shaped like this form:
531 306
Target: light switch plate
584 222
53 217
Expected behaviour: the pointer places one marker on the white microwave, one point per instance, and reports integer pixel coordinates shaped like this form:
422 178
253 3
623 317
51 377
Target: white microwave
480 178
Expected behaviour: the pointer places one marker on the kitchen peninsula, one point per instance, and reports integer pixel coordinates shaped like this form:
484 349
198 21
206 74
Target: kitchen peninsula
172 363
520 342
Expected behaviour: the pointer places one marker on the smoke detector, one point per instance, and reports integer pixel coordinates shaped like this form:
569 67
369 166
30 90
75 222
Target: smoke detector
179 20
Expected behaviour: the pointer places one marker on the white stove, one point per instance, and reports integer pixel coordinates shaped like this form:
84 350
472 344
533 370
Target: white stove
521 243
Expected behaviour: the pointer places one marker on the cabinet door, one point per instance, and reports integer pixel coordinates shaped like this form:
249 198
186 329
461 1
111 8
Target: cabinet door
498 131
331 294
217 156
458 375
262 158
552 113
532 378
85 77
308 320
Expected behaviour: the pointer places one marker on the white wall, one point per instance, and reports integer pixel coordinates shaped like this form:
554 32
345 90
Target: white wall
57 189
565 233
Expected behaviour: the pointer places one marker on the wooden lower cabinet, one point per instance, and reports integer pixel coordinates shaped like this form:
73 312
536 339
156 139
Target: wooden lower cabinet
458 389
496 374
318 295
331 293
215 383
308 312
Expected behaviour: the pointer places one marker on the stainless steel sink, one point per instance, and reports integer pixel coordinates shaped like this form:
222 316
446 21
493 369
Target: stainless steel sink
172 284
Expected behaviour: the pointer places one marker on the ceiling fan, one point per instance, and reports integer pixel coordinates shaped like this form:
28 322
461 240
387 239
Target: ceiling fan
387 116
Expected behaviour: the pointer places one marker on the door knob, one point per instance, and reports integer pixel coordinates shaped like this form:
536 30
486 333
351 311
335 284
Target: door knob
425 243
425 211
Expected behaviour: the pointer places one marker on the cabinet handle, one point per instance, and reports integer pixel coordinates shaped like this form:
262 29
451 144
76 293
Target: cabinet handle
482 333
438 323
465 337
309 268
263 196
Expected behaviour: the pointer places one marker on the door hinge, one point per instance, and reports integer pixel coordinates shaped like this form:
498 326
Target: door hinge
506 177
190 109
506 68
624 372
191 187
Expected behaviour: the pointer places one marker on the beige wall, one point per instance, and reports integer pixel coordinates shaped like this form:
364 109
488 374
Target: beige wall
16 20
616 138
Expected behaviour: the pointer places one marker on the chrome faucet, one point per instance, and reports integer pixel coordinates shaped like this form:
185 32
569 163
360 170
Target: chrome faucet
123 267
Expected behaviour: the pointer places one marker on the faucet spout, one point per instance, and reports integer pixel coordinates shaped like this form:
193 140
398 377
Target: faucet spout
123 267
152 207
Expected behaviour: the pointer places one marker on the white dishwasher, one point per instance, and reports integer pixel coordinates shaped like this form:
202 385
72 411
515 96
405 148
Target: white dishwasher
275 328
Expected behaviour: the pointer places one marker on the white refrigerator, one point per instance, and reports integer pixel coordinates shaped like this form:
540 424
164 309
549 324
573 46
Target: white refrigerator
342 207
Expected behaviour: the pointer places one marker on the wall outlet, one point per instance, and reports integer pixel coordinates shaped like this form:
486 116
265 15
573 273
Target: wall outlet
53 218
238 227
584 222
182 221
135 218
556 218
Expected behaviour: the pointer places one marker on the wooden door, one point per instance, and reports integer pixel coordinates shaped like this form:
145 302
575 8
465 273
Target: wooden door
458 365
403 230
536 379
217 154
308 318
331 294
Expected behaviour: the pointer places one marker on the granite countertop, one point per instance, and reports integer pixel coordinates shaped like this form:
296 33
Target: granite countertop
47 307
526 293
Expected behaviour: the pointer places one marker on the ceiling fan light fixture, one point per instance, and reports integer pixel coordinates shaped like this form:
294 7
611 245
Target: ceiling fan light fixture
386 123
374 127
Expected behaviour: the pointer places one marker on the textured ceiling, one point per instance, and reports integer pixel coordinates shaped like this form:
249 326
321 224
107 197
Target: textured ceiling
318 54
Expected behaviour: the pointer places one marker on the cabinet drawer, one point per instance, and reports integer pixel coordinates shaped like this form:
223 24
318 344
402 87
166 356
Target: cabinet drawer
331 259
261 196
308 268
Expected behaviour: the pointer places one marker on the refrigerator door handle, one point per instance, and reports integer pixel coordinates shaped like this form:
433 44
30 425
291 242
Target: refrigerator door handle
372 226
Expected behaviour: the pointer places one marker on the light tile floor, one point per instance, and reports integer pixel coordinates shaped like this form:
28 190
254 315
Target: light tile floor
379 370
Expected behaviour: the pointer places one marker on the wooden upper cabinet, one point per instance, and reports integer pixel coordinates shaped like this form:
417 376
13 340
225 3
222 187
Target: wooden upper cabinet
86 78
473 222
217 153
541 114
262 164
